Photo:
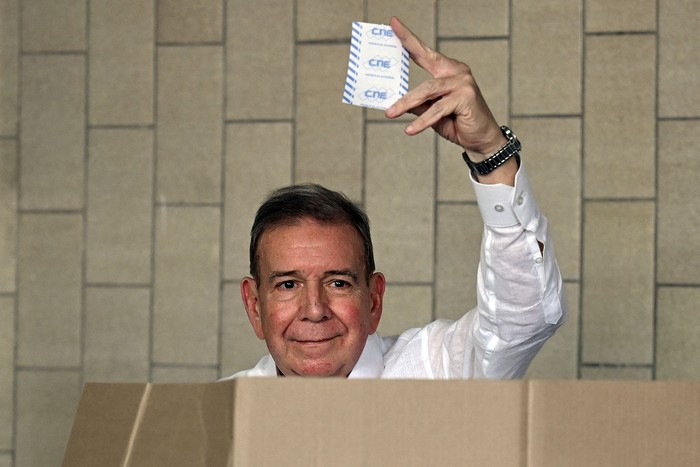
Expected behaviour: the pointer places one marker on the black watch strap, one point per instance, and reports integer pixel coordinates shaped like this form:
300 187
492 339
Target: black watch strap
508 150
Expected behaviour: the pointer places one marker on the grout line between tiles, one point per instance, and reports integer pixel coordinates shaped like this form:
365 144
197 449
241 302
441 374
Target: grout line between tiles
18 166
295 97
222 194
617 365
86 174
154 196
655 272
49 53
189 44
582 192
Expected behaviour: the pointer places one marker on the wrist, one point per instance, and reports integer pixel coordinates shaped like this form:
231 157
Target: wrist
487 150
491 141
505 158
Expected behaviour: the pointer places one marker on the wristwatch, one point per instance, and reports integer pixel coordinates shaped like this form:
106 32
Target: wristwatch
508 150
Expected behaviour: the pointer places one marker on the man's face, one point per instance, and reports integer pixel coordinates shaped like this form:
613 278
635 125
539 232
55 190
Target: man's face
313 305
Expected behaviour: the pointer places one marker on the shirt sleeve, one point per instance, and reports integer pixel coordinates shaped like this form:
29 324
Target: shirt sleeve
520 294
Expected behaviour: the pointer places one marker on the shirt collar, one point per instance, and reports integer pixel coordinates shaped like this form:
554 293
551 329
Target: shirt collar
371 362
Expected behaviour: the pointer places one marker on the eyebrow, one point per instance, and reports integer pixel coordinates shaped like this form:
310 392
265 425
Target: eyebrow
333 272
343 272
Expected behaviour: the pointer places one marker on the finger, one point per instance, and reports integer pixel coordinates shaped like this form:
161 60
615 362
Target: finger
435 63
431 116
425 92
424 56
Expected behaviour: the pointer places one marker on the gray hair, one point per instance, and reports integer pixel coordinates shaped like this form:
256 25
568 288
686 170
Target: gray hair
288 205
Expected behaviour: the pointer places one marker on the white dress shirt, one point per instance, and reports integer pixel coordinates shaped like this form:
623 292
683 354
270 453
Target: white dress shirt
520 304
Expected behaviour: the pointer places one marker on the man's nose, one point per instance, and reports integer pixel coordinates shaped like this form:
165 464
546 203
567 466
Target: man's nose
315 307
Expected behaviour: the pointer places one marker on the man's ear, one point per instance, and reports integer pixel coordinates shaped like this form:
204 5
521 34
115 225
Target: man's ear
377 284
249 294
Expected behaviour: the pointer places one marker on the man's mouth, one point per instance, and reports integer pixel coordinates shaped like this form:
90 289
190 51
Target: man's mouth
315 340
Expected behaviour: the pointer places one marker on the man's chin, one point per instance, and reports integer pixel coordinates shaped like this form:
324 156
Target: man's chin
318 369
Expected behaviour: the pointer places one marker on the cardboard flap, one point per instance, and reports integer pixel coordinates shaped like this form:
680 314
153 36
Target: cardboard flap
324 422
187 425
103 424
175 425
614 423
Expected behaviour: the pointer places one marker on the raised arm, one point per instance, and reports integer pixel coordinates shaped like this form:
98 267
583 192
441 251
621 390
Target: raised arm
520 294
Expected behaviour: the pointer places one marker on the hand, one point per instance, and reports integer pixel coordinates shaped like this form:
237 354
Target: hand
450 103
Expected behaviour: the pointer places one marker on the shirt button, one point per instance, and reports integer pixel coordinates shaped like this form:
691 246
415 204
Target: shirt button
498 208
538 259
520 200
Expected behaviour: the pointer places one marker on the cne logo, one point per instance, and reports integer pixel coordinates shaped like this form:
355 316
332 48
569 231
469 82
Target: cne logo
378 63
384 33
376 94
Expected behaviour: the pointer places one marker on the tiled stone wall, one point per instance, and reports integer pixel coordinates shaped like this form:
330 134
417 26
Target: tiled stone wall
137 137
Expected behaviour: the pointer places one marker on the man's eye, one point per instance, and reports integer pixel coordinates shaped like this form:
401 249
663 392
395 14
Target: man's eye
339 284
286 285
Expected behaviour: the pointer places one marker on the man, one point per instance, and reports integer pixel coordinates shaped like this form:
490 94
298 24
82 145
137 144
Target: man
315 298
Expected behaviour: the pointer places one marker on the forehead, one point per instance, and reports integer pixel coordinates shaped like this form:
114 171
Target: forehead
308 236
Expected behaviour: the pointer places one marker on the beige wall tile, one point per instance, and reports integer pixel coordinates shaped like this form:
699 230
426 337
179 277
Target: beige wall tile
619 119
9 64
618 282
8 214
258 160
328 132
678 242
552 157
620 15
240 347
459 232
53 25
418 15
406 307
7 369
119 207
489 63
121 62
259 79
453 174
546 57
46 403
558 358
190 98
49 289
186 291
622 373
117 327
327 20
400 192
185 21
5 460
678 333
480 18
679 70
53 132
175 374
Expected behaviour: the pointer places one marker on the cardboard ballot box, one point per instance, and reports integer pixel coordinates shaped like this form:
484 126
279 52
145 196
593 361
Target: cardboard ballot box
256 422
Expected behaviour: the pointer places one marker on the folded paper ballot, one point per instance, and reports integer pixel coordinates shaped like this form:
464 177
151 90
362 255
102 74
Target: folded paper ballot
377 68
